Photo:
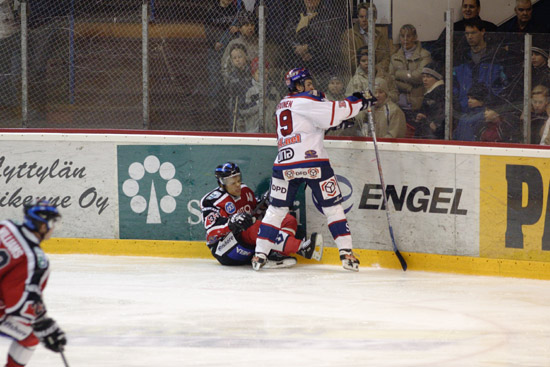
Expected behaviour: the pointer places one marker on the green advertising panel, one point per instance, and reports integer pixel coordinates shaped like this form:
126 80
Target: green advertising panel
160 186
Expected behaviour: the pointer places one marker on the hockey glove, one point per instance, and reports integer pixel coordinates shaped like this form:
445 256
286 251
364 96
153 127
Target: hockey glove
240 222
50 334
367 98
346 124
263 203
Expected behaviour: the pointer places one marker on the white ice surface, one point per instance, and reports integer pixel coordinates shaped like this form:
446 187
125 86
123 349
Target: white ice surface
138 311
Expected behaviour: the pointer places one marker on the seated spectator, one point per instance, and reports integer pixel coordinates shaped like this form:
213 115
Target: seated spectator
478 65
524 22
545 132
250 109
248 38
388 117
540 108
360 80
494 127
471 122
470 10
540 71
357 37
406 68
335 89
237 82
312 36
430 120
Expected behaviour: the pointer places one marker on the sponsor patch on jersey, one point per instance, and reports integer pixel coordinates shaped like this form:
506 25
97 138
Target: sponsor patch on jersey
210 219
342 104
214 195
285 155
294 139
313 173
329 188
11 243
279 188
230 208
310 154
226 244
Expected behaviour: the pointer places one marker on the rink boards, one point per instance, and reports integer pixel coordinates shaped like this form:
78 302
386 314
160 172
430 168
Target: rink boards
470 209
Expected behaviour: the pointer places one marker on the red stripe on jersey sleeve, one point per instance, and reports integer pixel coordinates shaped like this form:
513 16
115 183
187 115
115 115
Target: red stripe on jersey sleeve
332 118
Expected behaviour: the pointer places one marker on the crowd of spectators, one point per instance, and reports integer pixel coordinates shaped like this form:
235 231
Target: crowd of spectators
409 75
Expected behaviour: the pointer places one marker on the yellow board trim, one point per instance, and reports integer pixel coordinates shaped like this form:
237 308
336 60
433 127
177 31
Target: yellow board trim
369 258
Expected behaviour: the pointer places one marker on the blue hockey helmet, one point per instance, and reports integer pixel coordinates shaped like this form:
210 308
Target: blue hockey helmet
38 212
228 169
298 75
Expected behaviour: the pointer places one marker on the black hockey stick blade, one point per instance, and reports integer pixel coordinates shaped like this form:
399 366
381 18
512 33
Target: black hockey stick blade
401 260
64 359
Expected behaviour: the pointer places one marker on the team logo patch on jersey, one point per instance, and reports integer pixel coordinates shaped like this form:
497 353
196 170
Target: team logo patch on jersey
230 208
342 104
330 188
309 173
279 188
310 154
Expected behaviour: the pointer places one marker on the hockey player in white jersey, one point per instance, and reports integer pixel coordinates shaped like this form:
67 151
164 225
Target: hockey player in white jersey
303 116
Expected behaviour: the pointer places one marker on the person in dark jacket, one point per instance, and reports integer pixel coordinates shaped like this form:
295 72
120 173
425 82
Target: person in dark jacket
431 118
479 65
470 123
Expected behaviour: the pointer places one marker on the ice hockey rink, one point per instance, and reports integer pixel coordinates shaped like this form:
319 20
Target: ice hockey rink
143 311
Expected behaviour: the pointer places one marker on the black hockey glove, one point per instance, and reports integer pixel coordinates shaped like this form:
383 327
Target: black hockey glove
263 203
50 334
367 98
346 124
240 222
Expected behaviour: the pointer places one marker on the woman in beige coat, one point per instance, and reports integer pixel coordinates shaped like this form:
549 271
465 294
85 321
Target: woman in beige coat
389 120
406 68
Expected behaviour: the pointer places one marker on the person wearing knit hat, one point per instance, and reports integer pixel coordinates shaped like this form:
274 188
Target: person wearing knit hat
471 122
431 117
540 70
388 117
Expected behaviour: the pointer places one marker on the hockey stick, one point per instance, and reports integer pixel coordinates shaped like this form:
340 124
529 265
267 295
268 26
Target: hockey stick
64 359
371 128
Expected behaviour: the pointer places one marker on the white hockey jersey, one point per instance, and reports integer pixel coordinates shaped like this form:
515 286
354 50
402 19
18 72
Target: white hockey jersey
302 120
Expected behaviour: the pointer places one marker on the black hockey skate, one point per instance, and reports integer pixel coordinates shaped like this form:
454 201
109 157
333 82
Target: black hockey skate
276 260
312 248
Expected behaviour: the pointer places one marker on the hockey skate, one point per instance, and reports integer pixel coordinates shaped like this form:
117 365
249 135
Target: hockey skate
259 260
349 261
276 260
312 248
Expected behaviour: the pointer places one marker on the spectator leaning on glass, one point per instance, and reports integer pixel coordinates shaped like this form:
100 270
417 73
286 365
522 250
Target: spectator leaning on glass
388 117
431 117
539 112
357 37
406 68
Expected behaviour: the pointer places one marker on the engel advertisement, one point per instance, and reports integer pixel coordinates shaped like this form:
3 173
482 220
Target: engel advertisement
433 200
451 201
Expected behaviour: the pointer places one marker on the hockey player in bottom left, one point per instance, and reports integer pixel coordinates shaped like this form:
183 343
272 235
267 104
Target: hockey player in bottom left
24 271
